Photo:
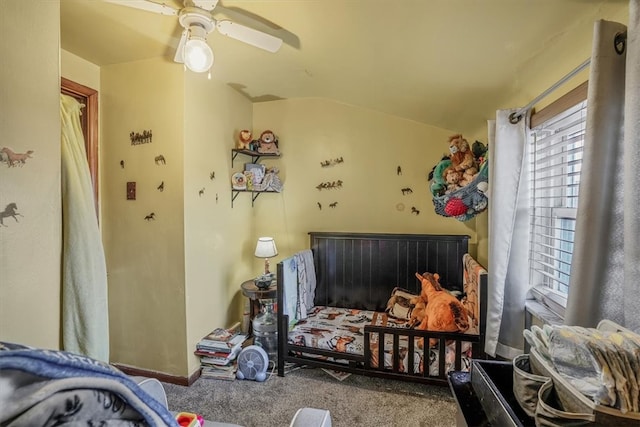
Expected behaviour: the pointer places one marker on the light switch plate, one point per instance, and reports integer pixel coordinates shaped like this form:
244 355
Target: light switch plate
131 190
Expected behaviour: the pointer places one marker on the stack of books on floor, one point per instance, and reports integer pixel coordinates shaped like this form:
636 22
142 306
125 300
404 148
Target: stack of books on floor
218 351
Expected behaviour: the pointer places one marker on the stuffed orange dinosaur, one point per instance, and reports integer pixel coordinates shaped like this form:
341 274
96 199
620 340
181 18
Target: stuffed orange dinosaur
443 312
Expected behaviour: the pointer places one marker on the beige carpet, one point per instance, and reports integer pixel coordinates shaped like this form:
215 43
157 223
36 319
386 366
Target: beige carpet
355 401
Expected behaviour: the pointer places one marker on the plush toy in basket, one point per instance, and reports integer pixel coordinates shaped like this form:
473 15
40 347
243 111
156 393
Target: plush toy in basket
459 181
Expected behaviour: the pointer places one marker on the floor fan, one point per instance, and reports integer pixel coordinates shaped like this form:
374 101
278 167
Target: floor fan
252 364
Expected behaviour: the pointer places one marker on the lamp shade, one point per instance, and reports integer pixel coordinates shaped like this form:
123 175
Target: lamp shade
198 56
266 247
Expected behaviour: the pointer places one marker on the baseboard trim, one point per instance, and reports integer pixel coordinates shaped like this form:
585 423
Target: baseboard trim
160 376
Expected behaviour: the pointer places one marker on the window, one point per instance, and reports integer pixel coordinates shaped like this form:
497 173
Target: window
555 146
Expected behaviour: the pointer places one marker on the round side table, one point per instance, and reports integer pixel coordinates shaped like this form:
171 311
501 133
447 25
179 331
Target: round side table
255 294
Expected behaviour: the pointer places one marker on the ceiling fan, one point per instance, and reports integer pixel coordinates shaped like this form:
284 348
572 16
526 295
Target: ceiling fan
197 22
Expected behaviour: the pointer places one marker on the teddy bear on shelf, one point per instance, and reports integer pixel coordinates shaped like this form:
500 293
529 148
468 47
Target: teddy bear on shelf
462 158
268 143
244 140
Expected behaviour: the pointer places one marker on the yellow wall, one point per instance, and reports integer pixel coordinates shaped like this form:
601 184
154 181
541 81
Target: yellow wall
558 57
372 145
79 70
218 249
145 258
30 249
216 238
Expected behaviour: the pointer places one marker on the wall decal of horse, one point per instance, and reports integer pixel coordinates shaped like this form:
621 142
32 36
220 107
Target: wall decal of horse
13 159
10 211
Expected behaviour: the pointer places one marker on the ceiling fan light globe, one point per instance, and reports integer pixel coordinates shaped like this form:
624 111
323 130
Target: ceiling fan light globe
198 56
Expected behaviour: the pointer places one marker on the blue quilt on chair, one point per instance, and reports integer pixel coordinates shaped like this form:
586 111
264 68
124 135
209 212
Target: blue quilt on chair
54 388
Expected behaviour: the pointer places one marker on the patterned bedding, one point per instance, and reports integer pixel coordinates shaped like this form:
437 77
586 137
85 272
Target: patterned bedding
342 330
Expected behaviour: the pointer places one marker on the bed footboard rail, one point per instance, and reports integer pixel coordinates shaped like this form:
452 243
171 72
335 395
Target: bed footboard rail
375 359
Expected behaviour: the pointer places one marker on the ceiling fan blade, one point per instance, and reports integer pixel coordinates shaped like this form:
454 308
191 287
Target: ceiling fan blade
249 35
205 4
257 22
180 49
147 5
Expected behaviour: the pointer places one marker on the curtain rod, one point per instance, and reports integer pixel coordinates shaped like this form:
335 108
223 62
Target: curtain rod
517 115
619 44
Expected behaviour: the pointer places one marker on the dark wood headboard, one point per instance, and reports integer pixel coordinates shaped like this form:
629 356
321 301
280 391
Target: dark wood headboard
359 270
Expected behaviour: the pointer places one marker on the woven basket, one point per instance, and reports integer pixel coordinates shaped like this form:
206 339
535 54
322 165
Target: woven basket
466 202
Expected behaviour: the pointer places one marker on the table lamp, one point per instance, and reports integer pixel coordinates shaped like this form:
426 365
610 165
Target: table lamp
265 324
266 248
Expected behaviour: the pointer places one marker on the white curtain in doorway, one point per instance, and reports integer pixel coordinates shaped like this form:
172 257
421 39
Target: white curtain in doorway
508 235
605 269
85 319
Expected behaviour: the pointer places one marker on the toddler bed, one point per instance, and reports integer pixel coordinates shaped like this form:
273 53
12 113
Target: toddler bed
333 305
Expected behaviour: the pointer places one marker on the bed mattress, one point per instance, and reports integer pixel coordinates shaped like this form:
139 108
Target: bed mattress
342 330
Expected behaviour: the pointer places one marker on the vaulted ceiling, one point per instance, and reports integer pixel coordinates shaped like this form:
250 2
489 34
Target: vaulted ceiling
446 63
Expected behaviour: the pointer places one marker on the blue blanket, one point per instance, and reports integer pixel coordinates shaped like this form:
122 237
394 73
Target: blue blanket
51 388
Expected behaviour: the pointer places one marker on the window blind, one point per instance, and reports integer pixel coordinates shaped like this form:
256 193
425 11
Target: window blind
556 162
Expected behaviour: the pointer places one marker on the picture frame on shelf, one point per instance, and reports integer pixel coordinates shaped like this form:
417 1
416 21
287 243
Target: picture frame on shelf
249 180
258 171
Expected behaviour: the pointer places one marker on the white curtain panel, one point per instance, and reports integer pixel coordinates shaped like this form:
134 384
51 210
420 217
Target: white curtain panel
85 318
605 272
632 171
508 235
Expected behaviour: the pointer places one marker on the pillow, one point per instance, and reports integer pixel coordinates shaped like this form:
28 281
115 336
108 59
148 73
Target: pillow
399 305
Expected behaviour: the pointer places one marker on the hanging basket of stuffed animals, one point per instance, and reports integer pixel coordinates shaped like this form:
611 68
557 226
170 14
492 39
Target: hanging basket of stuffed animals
459 182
